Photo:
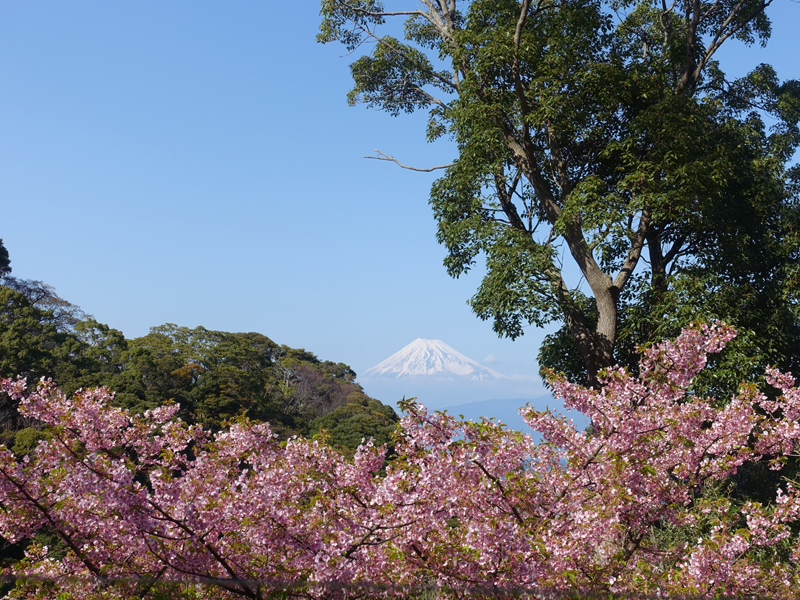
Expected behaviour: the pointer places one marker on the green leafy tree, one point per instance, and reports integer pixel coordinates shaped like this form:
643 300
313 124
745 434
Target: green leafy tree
65 315
32 345
360 419
102 358
218 376
610 175
28 337
215 376
5 261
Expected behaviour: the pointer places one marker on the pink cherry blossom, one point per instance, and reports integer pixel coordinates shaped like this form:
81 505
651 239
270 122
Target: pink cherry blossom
462 505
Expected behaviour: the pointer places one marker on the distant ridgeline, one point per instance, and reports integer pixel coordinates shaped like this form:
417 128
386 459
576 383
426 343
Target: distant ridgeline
215 376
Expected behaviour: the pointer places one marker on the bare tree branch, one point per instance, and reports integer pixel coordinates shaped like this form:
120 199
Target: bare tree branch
394 160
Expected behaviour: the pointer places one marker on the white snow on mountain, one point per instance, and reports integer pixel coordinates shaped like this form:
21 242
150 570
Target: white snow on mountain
433 358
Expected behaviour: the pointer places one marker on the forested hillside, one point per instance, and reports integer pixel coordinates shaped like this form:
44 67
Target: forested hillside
215 376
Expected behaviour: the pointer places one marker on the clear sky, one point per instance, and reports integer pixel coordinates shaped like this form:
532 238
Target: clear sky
196 163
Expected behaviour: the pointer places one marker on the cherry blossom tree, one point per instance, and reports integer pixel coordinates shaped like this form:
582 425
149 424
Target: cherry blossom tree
629 506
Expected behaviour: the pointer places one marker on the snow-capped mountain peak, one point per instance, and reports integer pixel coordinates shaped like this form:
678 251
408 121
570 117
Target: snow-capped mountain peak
431 358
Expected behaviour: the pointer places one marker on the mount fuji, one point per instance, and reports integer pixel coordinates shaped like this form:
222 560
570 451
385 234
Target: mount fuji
431 358
442 378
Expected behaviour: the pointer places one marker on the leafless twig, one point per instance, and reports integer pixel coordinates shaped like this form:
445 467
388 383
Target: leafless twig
394 160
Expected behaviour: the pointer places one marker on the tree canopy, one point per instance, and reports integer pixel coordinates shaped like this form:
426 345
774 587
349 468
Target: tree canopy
607 171
5 261
215 377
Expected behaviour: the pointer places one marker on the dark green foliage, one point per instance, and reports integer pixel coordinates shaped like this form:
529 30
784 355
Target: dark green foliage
360 419
32 345
5 261
26 440
65 315
29 339
214 376
217 376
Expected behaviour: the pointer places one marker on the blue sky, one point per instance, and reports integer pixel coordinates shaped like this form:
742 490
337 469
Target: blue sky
196 163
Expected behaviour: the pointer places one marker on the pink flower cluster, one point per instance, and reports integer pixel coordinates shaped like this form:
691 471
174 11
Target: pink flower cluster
463 505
